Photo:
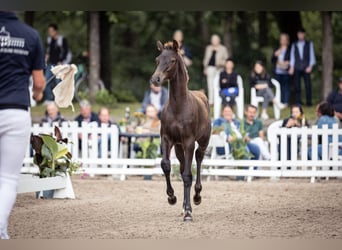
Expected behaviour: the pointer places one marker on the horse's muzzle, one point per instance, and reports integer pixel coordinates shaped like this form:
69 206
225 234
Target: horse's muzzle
156 80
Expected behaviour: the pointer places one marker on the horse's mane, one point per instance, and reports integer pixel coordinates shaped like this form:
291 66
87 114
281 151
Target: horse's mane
170 46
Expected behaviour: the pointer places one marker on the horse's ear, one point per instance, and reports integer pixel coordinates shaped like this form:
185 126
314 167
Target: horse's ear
160 46
175 45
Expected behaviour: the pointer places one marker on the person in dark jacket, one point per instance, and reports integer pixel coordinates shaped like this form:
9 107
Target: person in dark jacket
156 95
228 84
302 61
335 99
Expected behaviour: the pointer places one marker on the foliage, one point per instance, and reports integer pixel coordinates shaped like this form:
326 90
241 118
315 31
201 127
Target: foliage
103 97
52 155
149 149
239 143
124 96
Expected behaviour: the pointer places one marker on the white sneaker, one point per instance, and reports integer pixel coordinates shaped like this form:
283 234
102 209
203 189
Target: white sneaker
281 106
264 116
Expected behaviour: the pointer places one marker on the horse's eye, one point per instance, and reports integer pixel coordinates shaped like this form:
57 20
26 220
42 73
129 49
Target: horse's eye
173 60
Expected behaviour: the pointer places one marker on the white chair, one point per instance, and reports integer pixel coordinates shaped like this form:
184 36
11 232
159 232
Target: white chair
273 139
255 100
218 100
218 141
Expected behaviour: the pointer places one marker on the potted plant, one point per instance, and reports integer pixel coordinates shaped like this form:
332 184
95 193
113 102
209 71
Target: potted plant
149 150
52 157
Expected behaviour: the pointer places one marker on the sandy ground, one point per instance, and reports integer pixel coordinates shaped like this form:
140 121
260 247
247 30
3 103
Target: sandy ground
137 209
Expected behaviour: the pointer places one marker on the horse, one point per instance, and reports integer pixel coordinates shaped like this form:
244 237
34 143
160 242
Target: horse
185 119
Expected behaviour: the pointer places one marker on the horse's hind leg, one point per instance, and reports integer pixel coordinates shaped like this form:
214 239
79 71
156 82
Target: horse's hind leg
166 166
198 186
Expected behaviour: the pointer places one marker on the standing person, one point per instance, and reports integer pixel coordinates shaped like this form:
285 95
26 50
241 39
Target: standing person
229 89
261 81
281 62
21 56
183 49
57 52
335 99
255 131
214 60
302 60
156 95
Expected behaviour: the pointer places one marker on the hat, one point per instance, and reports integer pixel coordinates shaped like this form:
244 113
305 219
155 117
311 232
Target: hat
301 30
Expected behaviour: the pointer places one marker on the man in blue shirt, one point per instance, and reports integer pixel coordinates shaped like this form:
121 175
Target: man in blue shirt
302 60
21 56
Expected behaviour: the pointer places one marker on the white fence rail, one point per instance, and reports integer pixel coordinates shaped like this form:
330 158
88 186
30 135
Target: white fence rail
106 158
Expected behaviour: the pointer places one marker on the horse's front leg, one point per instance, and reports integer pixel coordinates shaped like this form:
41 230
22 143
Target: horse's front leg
187 180
166 166
199 155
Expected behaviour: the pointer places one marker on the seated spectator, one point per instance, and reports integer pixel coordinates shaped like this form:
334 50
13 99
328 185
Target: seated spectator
150 125
228 84
232 129
325 114
156 95
335 99
86 113
255 131
261 81
104 119
296 119
52 114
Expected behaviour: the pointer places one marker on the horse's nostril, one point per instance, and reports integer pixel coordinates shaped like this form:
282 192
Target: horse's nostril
158 79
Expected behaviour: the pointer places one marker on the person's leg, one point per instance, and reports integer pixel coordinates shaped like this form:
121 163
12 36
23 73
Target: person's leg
286 84
264 152
15 128
50 83
211 73
254 150
308 91
296 79
280 79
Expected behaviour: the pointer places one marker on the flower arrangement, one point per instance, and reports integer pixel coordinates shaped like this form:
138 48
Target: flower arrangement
52 155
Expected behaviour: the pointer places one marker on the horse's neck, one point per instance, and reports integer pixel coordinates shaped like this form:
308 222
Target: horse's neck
178 88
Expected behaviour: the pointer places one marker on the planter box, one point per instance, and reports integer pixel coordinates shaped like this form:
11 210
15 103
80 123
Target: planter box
61 184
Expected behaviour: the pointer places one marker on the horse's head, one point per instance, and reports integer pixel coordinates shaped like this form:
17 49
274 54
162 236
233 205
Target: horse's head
167 62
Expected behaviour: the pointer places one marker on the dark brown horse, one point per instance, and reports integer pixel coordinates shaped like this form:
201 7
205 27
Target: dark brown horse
184 120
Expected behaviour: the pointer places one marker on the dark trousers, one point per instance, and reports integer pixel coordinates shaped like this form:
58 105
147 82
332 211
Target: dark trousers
284 80
307 82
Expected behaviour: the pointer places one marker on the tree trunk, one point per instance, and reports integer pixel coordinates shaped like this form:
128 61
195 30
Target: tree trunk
327 54
94 58
29 17
227 35
105 51
263 29
288 22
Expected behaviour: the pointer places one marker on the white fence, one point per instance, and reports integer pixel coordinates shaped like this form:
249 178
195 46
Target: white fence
111 161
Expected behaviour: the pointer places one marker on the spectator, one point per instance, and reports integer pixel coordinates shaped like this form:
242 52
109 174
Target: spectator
325 114
183 49
104 120
281 61
335 99
302 60
156 95
21 58
86 113
255 130
232 130
228 84
261 81
52 114
296 119
57 52
214 60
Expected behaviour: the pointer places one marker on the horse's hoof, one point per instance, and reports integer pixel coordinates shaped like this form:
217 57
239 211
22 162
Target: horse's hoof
172 200
187 216
197 200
